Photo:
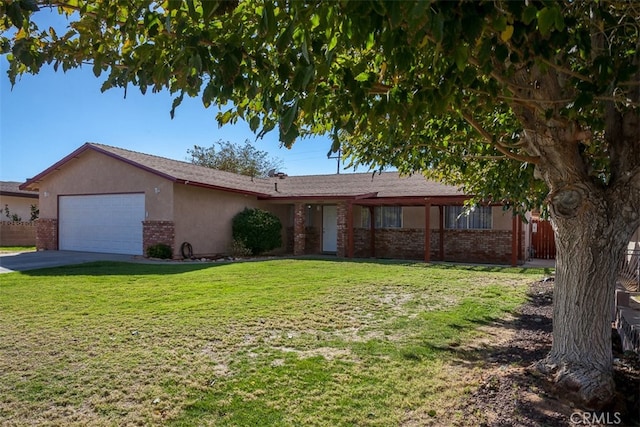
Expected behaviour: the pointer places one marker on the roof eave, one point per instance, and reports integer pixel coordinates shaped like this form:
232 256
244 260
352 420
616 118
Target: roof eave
15 194
31 183
260 196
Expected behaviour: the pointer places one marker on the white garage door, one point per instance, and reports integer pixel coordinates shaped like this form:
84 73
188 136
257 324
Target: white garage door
108 223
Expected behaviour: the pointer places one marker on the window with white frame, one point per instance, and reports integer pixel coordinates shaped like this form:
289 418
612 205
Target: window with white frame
385 216
459 218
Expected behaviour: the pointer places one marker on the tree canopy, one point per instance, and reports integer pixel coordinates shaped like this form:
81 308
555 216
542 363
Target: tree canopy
518 102
457 89
232 157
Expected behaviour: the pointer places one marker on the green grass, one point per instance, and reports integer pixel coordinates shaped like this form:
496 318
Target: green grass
11 249
282 343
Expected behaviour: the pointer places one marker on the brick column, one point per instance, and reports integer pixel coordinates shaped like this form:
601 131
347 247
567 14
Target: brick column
299 222
154 232
47 234
342 229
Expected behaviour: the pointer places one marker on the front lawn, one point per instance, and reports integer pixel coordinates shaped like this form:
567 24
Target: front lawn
282 343
13 249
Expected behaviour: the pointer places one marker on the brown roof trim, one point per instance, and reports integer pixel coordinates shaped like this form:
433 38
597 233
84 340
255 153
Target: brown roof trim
135 164
301 198
88 146
15 194
413 201
132 163
367 196
261 196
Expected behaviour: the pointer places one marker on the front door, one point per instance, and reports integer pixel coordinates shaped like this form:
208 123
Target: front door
329 229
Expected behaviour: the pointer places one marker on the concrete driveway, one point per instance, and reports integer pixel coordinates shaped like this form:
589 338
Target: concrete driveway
23 261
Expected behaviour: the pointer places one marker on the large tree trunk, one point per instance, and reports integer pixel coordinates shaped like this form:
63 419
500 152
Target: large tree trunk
589 247
594 216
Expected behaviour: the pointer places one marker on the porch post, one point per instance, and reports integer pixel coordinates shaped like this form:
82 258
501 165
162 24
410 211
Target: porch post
372 231
299 222
514 241
441 219
350 239
427 231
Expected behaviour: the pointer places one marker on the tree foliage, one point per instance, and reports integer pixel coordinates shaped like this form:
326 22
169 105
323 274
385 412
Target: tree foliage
517 102
231 157
456 89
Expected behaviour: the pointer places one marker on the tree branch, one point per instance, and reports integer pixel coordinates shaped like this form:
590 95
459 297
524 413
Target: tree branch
486 135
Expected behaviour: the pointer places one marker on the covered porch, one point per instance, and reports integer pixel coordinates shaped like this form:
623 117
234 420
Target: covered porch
353 228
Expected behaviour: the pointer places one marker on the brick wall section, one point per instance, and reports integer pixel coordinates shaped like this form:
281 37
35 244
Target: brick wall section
288 242
400 243
154 232
341 211
299 236
18 233
313 241
47 234
480 246
485 246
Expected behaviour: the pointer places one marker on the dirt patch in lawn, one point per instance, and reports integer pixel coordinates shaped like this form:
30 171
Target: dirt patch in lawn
509 395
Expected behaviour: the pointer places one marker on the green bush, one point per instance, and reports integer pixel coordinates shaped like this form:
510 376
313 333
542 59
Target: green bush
238 249
258 230
160 250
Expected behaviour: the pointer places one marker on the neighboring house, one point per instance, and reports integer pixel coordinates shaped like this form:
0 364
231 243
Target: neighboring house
18 202
15 215
107 199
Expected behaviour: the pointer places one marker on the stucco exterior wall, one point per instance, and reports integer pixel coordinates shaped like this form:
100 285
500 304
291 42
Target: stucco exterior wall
502 220
204 217
20 206
96 173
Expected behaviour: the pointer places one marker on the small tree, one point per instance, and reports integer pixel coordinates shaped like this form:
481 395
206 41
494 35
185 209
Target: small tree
242 159
12 216
35 212
258 230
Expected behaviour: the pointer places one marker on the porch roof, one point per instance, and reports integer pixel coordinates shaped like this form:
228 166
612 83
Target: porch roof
363 186
12 188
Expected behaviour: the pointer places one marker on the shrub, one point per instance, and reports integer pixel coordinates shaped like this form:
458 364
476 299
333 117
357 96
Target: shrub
258 230
238 249
160 250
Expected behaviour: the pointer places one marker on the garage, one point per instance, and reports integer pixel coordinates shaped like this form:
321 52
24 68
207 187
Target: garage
107 223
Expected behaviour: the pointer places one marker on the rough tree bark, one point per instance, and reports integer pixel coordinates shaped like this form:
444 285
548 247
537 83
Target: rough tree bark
589 246
593 222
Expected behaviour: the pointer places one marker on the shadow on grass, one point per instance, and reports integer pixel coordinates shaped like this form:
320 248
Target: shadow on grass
517 396
123 268
117 268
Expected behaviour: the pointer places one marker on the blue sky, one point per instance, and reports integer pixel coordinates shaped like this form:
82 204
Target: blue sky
45 117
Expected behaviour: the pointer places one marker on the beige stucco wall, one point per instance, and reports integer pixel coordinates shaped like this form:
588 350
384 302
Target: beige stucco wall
203 217
96 173
502 220
20 206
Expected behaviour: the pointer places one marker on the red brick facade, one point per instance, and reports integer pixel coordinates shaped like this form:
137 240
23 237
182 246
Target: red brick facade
342 228
47 234
477 246
299 235
154 232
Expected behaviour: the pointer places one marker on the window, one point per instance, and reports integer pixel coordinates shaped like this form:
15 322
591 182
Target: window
479 218
386 217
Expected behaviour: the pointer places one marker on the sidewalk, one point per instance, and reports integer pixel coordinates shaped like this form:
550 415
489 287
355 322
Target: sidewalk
540 263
